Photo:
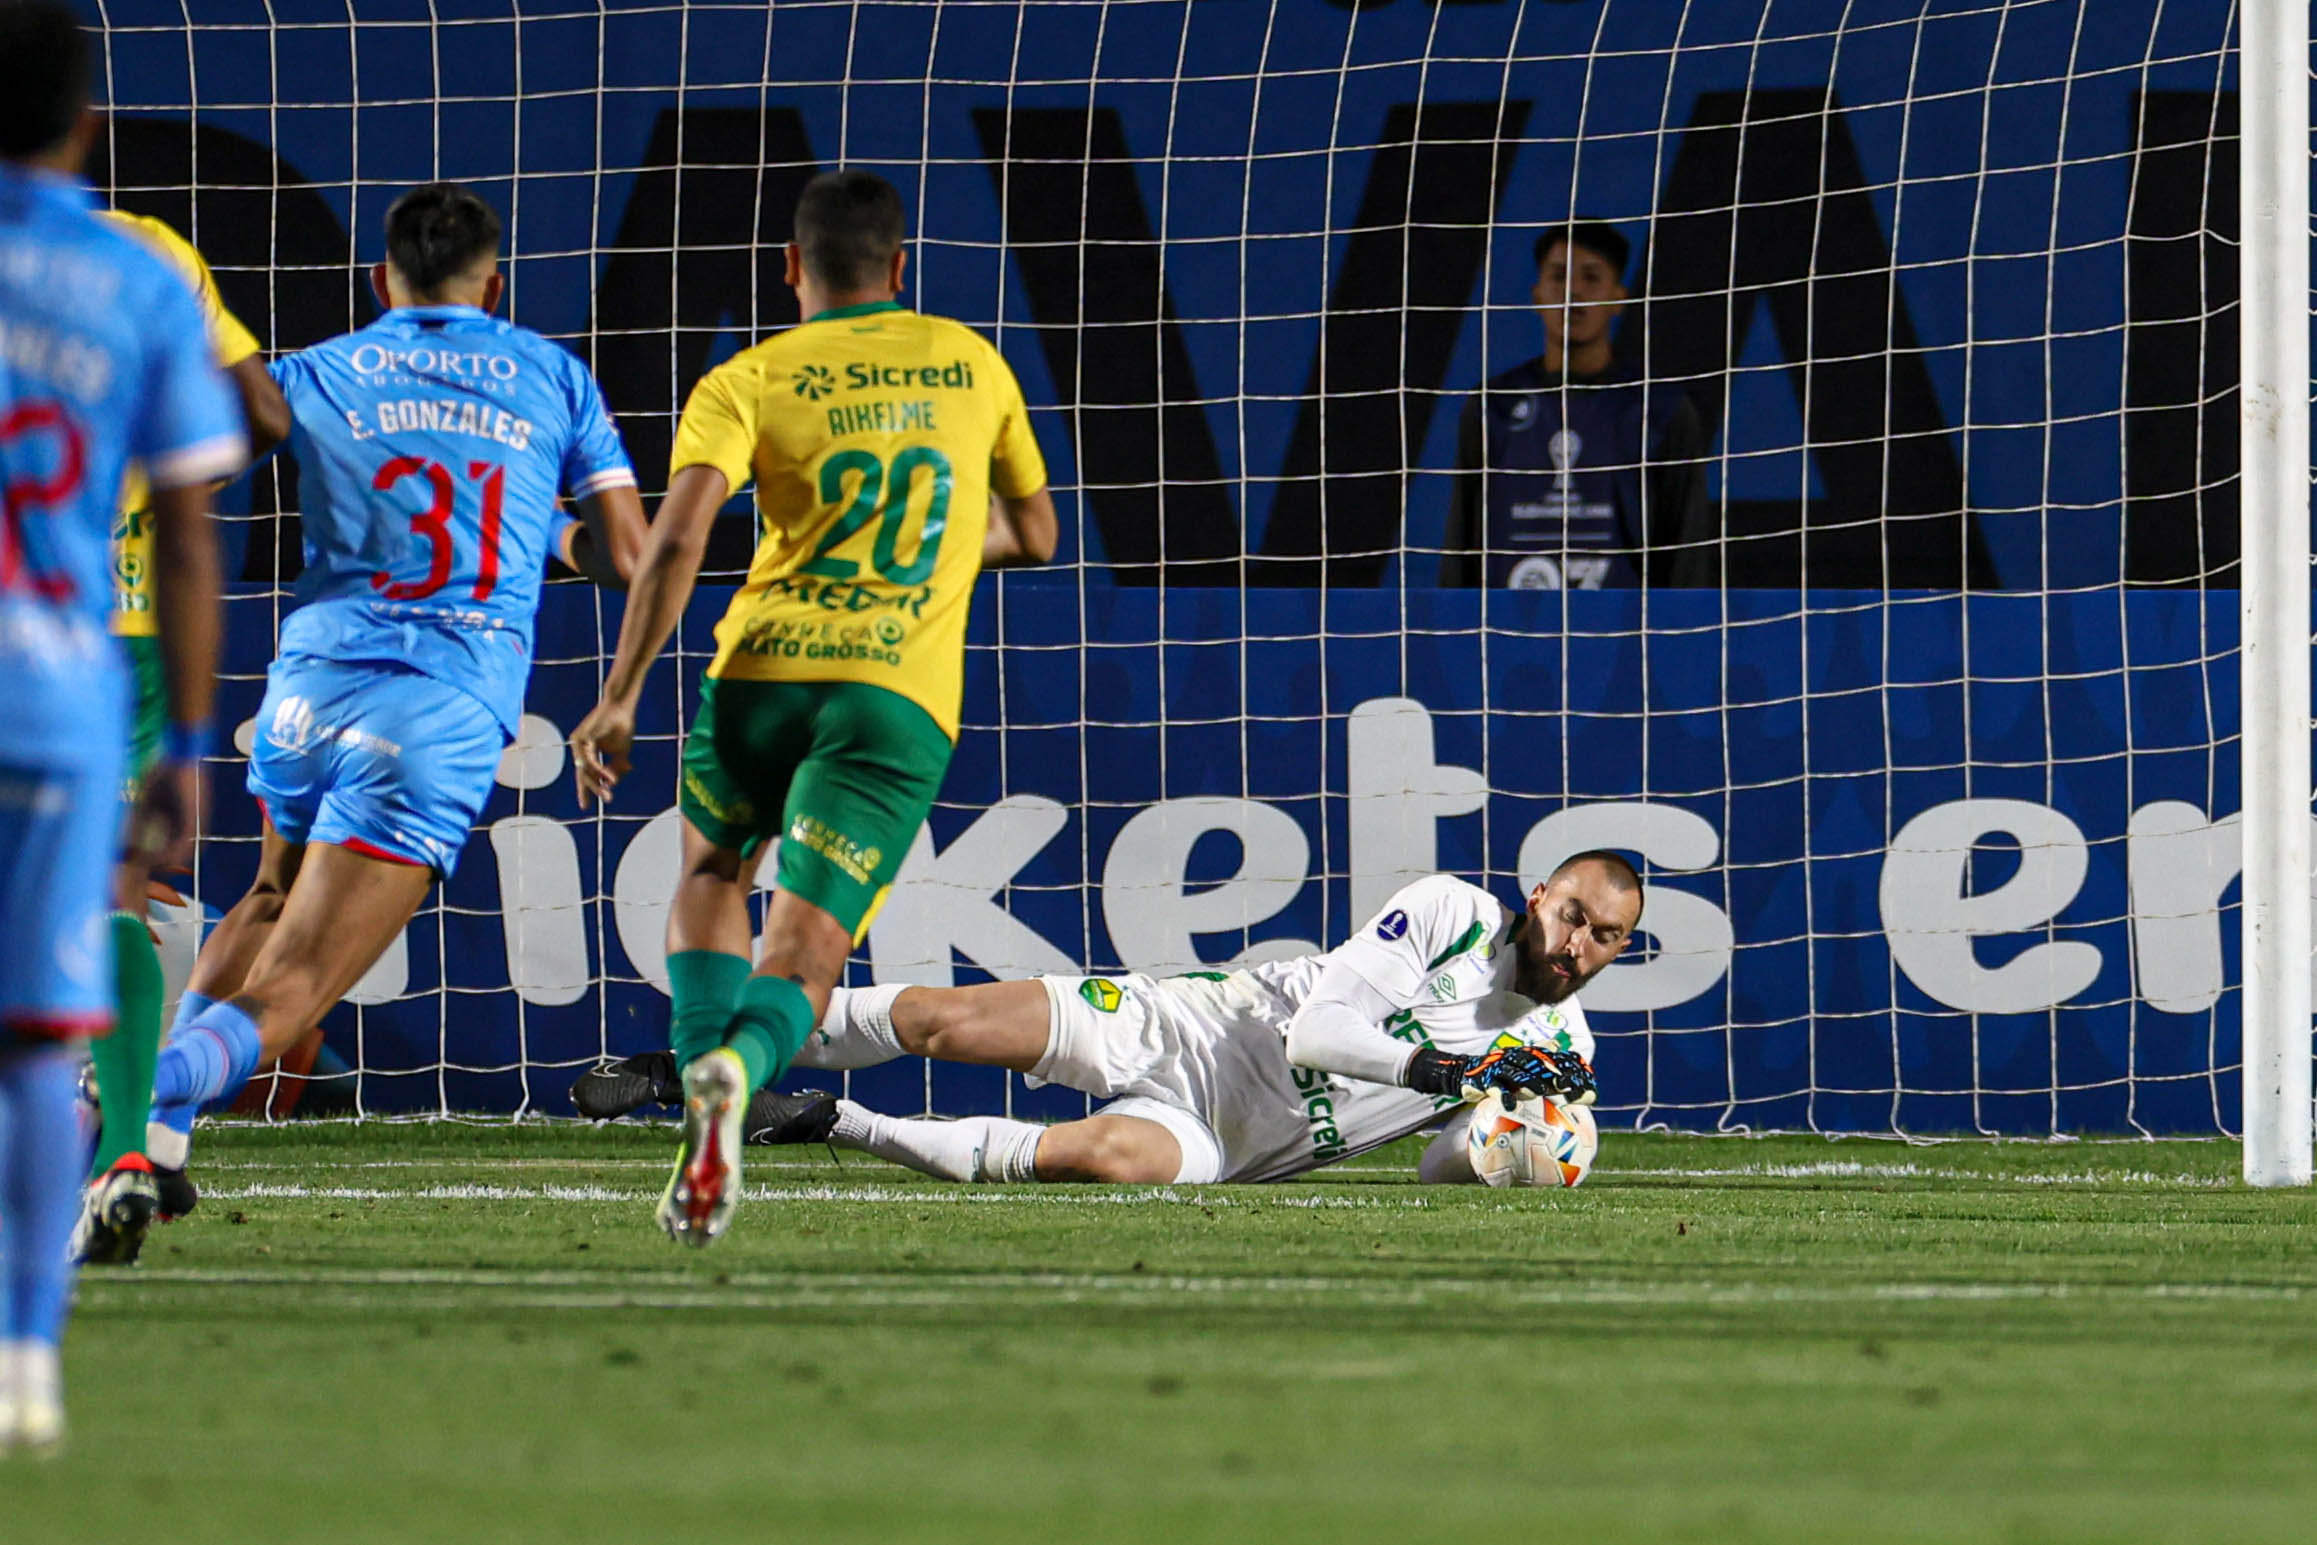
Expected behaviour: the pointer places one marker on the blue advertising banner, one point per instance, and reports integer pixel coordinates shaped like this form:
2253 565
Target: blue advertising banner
1881 897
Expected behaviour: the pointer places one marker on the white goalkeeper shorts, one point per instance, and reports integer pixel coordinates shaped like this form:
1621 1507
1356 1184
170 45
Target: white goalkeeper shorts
1212 1056
1157 1049
1202 1149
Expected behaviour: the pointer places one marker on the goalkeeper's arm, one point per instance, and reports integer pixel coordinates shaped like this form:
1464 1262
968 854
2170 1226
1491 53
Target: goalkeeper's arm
1339 1029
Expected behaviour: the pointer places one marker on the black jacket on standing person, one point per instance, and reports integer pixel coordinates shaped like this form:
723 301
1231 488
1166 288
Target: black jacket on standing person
1583 482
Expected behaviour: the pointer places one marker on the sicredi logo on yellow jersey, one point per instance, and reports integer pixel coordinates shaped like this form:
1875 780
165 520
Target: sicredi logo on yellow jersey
861 377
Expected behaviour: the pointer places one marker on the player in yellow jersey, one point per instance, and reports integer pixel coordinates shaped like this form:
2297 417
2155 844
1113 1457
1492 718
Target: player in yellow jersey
876 438
122 1196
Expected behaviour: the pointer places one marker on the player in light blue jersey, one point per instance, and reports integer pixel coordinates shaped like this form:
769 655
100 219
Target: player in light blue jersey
104 358
431 446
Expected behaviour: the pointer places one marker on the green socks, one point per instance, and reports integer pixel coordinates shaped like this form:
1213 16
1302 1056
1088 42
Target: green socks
769 1027
704 985
717 1003
124 1060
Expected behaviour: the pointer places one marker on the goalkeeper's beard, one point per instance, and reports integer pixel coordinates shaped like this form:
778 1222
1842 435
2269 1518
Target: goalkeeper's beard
1539 981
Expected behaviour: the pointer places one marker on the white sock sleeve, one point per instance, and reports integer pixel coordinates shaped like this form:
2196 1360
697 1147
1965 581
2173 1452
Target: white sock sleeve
856 1032
166 1146
978 1148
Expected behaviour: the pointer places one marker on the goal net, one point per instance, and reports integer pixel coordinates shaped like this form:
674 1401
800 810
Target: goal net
1918 416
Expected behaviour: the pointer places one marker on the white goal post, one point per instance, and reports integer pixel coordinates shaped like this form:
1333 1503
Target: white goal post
2273 73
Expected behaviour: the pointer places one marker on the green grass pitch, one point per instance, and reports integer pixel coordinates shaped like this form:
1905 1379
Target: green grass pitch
445 1333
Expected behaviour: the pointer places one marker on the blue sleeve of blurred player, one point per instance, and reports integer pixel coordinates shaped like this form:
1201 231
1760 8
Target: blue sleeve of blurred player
187 427
595 459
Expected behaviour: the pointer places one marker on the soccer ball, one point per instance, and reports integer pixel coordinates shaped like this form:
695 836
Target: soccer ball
1540 1142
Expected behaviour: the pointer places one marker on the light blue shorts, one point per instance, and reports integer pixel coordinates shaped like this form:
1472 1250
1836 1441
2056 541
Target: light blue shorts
387 763
59 837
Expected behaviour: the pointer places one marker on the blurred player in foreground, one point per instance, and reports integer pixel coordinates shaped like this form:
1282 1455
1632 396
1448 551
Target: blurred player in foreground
123 1196
1263 1073
105 360
875 437
431 446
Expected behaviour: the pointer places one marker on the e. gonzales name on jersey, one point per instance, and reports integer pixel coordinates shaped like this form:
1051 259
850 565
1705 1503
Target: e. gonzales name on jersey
386 365
875 437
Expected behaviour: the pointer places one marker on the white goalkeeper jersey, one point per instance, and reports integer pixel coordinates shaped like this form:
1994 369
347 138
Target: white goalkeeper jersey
1438 950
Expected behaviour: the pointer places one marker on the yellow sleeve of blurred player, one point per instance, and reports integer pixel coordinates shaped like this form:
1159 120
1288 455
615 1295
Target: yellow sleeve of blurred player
718 428
231 341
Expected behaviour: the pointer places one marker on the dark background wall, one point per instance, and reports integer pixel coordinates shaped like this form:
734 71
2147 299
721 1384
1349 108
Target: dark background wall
1252 269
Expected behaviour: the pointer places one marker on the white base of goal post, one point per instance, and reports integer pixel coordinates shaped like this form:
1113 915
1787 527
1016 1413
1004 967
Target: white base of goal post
2273 71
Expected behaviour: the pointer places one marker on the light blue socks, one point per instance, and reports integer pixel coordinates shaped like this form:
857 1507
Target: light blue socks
208 1059
41 1161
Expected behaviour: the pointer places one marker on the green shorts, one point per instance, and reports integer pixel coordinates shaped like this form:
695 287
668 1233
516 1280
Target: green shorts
840 771
148 711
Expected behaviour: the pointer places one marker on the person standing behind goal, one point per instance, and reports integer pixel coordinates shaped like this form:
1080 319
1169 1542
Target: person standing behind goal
876 438
1573 472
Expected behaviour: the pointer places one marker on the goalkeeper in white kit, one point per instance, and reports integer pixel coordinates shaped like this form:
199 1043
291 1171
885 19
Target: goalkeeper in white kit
1258 1074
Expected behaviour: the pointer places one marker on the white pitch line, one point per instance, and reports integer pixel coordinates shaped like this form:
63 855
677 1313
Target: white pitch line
405 1289
1852 1169
1824 1169
656 1166
660 1165
439 1193
475 1192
